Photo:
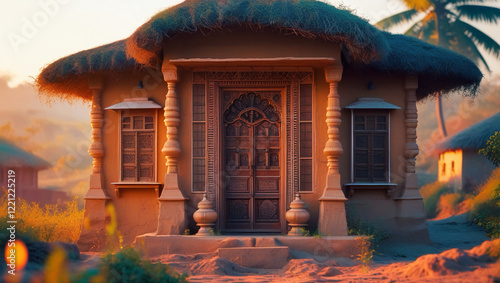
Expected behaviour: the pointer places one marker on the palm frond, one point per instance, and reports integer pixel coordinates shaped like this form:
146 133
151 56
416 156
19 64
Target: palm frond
459 2
479 13
415 30
468 46
396 19
489 44
419 5
430 32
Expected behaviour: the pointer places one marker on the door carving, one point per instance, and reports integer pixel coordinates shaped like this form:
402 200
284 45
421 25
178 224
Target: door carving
252 136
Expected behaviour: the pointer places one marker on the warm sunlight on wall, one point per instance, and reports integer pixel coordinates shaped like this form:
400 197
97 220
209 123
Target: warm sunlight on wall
450 167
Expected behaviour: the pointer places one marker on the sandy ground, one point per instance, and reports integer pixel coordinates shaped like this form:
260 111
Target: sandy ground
459 253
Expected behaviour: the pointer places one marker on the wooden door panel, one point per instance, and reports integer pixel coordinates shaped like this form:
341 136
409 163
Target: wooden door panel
252 162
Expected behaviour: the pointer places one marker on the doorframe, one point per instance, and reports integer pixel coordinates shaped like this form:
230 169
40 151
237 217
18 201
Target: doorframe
287 79
221 212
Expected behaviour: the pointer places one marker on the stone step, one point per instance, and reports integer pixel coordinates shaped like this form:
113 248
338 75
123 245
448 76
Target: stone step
257 257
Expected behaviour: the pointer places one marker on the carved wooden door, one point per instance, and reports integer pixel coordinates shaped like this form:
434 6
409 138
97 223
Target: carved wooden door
252 162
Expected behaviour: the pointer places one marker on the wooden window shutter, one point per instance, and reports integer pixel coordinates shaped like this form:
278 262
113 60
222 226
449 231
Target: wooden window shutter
306 141
138 146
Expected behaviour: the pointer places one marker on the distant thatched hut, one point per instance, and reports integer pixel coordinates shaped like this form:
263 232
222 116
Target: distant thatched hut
25 166
459 162
234 94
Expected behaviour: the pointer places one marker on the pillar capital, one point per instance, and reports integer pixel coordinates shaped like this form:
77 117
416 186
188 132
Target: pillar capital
411 82
333 73
169 72
96 82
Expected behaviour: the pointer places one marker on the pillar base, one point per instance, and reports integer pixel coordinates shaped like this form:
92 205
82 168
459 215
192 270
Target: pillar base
411 218
93 236
332 217
172 217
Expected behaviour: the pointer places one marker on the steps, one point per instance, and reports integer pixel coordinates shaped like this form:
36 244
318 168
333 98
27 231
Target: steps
257 257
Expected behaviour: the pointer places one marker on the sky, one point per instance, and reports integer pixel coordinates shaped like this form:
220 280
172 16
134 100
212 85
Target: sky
35 33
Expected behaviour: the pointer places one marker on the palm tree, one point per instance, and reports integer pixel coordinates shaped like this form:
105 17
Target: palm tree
441 22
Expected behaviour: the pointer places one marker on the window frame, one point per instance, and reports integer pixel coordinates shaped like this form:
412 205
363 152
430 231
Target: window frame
366 112
204 123
311 122
132 113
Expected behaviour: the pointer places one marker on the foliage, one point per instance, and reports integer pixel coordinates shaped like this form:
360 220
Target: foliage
127 266
485 210
442 23
52 223
492 149
357 227
432 194
365 255
305 232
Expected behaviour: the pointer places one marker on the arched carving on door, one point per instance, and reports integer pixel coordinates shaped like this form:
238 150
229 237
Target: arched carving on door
252 108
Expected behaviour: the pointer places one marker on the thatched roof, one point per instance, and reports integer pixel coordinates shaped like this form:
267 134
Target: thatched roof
474 137
306 18
12 156
437 68
68 76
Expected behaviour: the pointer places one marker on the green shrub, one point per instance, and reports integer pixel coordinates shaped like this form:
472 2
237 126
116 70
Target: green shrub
49 223
485 210
127 266
432 194
486 214
358 227
492 149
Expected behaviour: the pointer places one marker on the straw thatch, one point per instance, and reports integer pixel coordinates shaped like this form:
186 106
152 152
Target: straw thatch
438 69
12 156
307 18
68 77
472 138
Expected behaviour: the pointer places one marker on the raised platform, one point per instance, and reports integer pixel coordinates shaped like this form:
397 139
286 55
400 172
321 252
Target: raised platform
275 249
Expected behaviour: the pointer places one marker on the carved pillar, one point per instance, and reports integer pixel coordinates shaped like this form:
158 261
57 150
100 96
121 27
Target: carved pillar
332 218
411 218
172 218
93 235
411 147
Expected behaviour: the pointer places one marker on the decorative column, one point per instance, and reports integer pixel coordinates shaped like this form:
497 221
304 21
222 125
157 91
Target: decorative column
332 217
411 147
93 235
172 219
411 214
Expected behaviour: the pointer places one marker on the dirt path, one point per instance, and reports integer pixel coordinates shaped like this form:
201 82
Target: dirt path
451 257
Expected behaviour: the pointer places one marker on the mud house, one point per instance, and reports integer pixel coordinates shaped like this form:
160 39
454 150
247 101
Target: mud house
259 106
26 167
460 164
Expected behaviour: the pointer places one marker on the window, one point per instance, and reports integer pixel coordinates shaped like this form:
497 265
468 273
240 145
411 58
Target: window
138 146
453 167
370 146
199 140
306 141
443 170
370 141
